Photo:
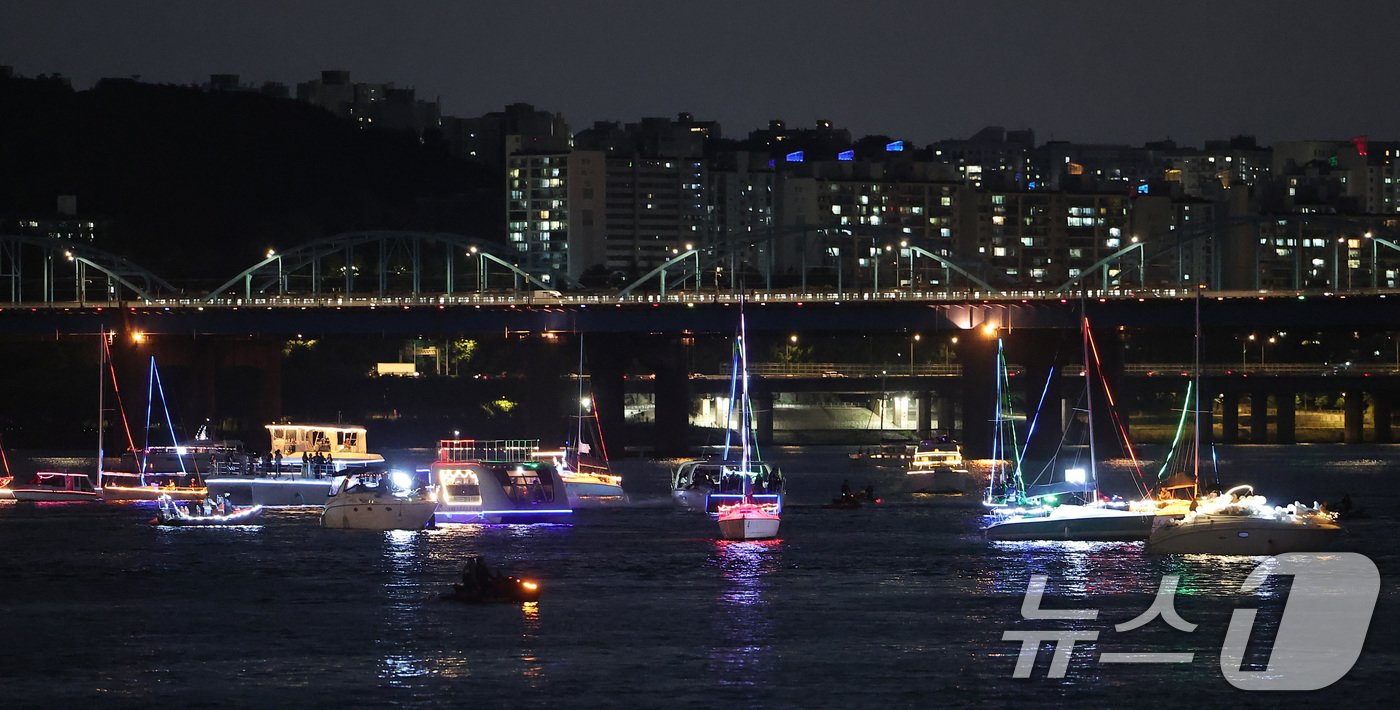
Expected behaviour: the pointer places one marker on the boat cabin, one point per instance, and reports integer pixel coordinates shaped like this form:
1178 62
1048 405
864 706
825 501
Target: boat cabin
77 482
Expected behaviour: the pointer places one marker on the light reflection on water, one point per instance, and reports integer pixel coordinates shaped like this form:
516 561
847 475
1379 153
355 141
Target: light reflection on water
742 647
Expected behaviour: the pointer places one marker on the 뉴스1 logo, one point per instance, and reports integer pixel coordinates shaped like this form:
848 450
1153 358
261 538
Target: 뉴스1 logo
1319 637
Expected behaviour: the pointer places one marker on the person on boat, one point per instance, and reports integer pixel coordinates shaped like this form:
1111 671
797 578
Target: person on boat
330 464
277 458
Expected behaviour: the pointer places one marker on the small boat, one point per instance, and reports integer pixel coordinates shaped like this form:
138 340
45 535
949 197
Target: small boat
583 463
480 586
169 513
7 480
748 521
1240 523
49 486
153 472
379 502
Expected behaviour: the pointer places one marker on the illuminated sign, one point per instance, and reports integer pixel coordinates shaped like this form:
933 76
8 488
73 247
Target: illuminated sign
795 157
895 147
846 155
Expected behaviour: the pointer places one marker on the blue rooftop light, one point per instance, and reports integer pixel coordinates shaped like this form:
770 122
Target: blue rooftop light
895 147
846 155
796 157
1142 189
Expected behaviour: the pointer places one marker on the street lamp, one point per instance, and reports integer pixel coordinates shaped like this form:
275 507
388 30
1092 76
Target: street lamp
1271 341
948 354
913 340
1244 351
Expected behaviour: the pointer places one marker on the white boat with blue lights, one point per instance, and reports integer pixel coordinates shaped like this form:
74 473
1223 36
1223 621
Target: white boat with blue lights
298 469
497 481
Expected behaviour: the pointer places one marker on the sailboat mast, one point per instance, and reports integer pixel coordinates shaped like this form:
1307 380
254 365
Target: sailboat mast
1196 398
101 392
578 435
744 412
1089 399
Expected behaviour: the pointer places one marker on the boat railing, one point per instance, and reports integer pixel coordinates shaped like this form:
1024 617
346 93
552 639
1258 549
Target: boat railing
252 466
493 450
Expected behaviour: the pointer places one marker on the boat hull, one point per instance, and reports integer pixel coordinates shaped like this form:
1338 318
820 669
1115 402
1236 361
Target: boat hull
1242 535
272 492
594 494
748 528
377 513
690 498
1104 526
117 494
244 516
43 496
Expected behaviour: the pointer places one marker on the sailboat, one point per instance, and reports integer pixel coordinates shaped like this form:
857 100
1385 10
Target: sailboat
583 465
746 518
706 484
1091 518
53 486
148 479
8 479
1235 522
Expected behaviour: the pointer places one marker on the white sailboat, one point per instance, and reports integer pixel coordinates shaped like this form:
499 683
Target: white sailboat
149 480
583 465
746 519
1089 519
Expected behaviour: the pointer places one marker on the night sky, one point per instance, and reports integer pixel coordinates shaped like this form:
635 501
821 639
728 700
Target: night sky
1096 71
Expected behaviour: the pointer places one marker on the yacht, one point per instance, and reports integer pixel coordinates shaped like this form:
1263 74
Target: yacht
1241 523
379 502
298 468
497 481
937 468
57 487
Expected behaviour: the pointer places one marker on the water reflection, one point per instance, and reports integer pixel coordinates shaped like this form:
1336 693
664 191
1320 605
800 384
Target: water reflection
532 670
743 645
402 553
1075 568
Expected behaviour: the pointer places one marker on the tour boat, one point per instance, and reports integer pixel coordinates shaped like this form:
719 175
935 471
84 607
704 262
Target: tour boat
1043 516
497 481
49 486
379 502
297 469
169 513
1238 522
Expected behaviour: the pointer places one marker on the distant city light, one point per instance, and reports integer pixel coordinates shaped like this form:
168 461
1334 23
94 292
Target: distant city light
796 156
895 147
846 155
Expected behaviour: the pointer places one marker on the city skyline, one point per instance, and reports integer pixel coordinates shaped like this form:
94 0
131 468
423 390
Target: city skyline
1094 74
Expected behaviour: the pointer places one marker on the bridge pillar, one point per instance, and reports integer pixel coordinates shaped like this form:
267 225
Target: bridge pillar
923 402
1354 417
1259 417
762 397
978 355
1230 417
1380 415
1286 419
672 390
605 365
947 413
1035 350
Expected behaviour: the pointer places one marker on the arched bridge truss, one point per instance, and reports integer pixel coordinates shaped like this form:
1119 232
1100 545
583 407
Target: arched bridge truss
381 264
35 269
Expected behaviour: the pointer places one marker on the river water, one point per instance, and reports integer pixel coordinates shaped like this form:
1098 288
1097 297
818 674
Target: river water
902 603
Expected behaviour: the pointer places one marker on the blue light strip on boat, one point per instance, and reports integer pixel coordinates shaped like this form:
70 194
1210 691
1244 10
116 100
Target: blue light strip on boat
504 512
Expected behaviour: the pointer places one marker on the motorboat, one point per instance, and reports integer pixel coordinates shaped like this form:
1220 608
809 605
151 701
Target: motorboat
1238 522
480 586
120 486
170 513
49 486
497 481
937 468
379 502
298 468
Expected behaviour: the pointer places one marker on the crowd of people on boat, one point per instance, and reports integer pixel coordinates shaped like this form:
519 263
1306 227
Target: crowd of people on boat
313 465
